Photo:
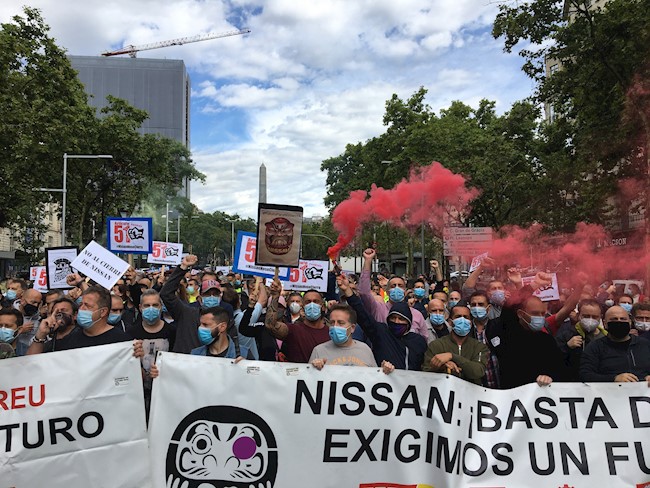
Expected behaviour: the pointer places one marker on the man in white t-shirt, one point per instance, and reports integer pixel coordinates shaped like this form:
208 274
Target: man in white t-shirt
342 349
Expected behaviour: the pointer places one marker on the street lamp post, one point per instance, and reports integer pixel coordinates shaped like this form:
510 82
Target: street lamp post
232 241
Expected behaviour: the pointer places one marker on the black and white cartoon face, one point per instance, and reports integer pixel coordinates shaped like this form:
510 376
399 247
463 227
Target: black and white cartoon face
219 447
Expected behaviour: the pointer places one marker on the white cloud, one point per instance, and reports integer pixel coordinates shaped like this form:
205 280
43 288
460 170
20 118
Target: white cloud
310 78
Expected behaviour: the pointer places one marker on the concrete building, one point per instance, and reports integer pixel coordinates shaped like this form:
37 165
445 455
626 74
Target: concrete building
161 87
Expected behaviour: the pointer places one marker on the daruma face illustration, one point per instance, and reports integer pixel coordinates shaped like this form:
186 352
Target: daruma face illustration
278 236
222 447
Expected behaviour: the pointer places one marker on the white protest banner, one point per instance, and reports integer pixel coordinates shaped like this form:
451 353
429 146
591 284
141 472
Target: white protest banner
466 241
73 419
224 269
166 253
59 265
244 261
309 275
476 262
288 425
546 293
101 265
38 276
131 235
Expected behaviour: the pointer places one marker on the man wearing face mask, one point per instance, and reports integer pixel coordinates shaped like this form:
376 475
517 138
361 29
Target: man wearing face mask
525 352
214 338
396 293
30 304
342 349
294 307
437 321
301 337
115 315
57 325
641 318
619 357
187 316
421 297
15 289
458 353
93 328
10 321
393 340
573 338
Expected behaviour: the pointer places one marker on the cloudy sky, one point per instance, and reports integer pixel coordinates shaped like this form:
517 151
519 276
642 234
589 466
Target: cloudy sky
310 78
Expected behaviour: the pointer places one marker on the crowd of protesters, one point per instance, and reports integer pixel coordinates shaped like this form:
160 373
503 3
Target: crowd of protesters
491 332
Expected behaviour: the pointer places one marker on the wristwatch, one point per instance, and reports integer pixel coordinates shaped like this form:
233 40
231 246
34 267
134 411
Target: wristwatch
39 341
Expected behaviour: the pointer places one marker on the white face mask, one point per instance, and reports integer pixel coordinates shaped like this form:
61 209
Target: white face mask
589 324
642 326
294 307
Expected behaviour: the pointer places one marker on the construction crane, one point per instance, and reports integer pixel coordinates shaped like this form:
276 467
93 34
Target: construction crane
132 50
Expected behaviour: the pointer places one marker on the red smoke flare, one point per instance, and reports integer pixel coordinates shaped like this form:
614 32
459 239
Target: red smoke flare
431 194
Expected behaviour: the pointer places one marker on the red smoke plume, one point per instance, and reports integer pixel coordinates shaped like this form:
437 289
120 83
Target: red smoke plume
431 194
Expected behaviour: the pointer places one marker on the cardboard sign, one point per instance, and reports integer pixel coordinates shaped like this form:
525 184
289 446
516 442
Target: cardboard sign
59 266
130 235
38 276
102 266
244 261
279 230
166 253
310 275
548 293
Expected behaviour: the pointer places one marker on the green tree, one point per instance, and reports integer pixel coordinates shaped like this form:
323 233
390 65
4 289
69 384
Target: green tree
602 54
47 114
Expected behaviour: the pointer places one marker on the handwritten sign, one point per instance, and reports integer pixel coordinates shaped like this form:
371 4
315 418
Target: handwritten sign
38 276
244 261
102 266
166 253
131 235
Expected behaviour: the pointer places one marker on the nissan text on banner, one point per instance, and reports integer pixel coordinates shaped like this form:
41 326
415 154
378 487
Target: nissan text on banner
73 419
215 423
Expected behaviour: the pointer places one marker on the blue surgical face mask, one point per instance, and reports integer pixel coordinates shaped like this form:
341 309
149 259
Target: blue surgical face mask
79 300
396 295
313 311
114 318
151 315
498 297
7 335
478 313
462 326
11 295
419 292
626 306
205 336
437 318
536 323
164 309
237 283
190 290
210 301
85 319
339 335
452 304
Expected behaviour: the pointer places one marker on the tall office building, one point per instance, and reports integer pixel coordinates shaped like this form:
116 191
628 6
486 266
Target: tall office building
159 86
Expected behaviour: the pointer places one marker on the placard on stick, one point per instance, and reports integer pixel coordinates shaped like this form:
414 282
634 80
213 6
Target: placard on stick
59 266
101 265
279 229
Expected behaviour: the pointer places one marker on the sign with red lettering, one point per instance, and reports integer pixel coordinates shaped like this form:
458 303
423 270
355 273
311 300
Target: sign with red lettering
166 253
244 261
38 276
547 293
91 417
131 235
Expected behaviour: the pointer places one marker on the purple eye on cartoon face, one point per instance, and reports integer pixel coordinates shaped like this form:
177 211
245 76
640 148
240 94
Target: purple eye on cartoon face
244 448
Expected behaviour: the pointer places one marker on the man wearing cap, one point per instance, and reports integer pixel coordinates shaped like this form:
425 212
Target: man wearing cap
619 357
186 316
393 340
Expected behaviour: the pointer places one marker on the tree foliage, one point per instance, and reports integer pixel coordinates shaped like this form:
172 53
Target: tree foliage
46 114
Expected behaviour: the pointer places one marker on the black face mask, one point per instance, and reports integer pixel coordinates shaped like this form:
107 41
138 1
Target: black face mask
30 310
618 330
